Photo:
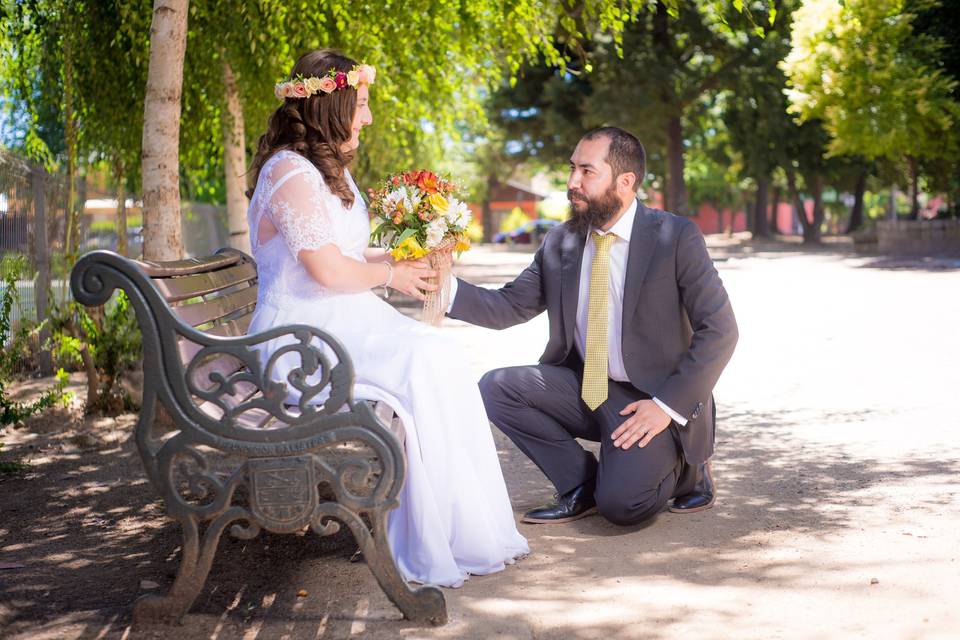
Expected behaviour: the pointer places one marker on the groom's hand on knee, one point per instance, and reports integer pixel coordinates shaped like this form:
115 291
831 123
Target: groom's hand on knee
646 421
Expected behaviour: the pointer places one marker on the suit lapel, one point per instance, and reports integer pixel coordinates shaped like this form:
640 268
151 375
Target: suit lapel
571 257
643 242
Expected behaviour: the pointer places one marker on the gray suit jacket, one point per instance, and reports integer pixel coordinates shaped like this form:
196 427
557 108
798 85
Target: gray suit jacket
678 327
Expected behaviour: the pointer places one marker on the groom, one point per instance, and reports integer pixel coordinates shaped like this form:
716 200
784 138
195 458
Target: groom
640 330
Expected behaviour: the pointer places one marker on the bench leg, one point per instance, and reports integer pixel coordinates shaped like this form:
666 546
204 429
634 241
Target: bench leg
195 560
424 604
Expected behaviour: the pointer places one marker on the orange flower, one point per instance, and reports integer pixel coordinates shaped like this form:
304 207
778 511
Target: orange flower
428 181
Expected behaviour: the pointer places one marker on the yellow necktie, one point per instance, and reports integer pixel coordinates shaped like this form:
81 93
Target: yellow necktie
594 388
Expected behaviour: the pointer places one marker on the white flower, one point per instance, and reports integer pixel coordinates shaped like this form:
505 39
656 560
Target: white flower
436 231
398 199
458 215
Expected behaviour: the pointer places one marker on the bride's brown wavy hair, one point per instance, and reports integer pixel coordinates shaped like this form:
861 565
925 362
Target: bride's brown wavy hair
315 127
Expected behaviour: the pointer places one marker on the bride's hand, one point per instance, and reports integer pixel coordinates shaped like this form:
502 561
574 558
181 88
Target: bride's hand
410 277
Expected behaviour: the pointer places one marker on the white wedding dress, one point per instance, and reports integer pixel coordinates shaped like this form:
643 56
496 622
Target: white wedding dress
454 517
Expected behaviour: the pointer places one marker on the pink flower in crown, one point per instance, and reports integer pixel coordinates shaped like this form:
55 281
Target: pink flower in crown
367 73
341 79
327 84
299 90
288 91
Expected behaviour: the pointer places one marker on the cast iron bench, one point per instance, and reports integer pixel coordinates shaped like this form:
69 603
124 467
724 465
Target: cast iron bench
232 453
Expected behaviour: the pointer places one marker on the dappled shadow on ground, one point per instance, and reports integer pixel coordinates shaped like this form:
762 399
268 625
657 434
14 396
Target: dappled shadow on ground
88 529
775 487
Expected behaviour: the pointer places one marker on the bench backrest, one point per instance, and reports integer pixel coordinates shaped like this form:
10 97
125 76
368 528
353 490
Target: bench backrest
215 294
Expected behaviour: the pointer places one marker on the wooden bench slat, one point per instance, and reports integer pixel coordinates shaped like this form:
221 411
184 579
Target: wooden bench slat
189 266
223 364
181 288
233 327
216 308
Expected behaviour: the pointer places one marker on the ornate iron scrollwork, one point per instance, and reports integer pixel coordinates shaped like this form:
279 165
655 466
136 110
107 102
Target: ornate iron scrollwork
281 467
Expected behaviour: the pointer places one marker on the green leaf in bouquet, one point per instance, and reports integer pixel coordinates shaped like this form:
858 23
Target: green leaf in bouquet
377 234
406 234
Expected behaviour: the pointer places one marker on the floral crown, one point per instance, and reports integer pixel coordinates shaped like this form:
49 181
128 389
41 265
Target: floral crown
332 80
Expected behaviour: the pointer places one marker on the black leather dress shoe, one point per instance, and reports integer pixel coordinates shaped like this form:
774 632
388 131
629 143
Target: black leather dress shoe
702 497
571 506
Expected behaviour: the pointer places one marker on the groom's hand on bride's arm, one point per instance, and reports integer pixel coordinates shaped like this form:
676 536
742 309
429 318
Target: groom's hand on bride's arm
646 421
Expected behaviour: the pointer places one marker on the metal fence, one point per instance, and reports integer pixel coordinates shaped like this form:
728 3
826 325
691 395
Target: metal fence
33 222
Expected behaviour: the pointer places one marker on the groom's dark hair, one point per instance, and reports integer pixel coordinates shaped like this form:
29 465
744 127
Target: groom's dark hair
626 153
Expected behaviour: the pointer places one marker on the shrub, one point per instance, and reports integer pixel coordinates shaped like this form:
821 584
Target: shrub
106 342
15 346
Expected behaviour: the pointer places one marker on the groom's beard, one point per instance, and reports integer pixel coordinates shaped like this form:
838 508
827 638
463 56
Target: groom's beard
593 212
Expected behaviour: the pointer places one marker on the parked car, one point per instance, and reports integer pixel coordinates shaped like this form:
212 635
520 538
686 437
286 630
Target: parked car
107 239
527 233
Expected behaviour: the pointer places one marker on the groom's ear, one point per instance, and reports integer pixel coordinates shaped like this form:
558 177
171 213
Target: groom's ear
627 181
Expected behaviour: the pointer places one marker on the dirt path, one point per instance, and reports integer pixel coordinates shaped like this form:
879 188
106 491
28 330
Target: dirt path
839 512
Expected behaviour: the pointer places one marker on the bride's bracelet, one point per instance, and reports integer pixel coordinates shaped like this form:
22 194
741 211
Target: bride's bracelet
386 291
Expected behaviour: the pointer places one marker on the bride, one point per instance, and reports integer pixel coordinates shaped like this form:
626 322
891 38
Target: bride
309 232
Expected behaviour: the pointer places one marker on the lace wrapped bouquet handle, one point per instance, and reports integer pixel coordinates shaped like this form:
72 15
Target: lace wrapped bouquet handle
416 215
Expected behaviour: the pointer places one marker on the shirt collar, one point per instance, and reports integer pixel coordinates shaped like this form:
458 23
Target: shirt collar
624 226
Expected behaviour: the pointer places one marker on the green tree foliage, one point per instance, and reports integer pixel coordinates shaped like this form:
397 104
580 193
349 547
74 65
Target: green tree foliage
755 112
655 82
876 84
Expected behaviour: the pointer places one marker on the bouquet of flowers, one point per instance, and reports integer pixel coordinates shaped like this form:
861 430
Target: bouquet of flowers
415 215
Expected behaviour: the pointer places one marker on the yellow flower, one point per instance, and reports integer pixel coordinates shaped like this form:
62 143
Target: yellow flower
353 78
409 248
463 243
438 202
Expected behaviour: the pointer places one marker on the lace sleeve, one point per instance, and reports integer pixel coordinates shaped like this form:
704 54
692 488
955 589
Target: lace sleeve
301 206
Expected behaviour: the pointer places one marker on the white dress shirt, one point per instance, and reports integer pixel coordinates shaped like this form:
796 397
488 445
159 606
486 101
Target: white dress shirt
619 252
618 272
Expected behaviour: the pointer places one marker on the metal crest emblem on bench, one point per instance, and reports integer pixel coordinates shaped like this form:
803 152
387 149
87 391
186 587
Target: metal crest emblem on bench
314 464
283 492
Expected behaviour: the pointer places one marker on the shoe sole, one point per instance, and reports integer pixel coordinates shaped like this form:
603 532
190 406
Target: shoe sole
704 507
529 520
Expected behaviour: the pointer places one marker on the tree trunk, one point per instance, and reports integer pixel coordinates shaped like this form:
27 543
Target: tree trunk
163 238
81 203
234 163
914 188
677 187
760 227
856 213
119 176
41 285
811 229
70 240
799 211
486 215
775 211
93 379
